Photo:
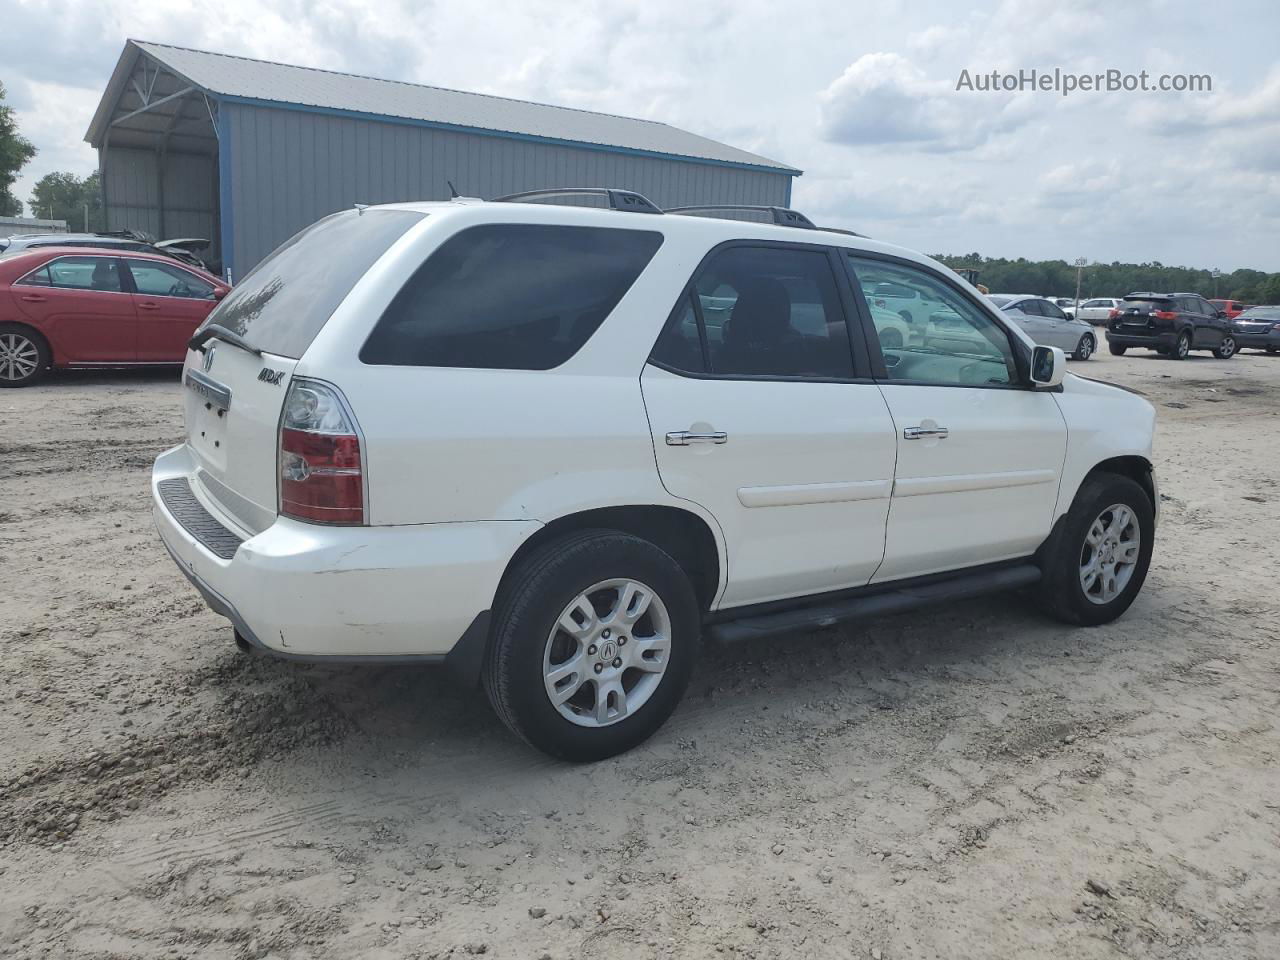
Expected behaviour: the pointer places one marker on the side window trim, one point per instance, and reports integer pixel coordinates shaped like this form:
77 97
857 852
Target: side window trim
863 365
880 372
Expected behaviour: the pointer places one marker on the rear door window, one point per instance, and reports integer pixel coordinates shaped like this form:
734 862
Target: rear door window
79 273
510 296
287 299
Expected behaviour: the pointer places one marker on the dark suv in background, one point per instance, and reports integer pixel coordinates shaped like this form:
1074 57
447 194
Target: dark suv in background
1172 324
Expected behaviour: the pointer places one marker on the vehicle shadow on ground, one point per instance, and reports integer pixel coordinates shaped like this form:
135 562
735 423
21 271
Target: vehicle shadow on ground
428 715
121 377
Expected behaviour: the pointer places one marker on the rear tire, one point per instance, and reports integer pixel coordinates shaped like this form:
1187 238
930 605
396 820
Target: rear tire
1116 349
1273 349
24 355
1181 348
1071 554
530 646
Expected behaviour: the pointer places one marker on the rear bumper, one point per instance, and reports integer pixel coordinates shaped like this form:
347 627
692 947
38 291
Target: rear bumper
1157 340
307 591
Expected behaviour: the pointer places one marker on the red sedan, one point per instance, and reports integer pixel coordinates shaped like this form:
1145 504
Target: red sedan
88 307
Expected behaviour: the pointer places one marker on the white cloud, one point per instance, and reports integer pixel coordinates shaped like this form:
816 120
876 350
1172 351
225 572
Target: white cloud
861 97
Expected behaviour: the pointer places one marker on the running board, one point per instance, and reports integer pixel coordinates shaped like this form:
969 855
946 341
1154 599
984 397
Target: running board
876 604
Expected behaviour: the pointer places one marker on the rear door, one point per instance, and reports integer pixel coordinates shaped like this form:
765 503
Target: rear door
170 303
82 305
1058 330
768 419
979 455
234 396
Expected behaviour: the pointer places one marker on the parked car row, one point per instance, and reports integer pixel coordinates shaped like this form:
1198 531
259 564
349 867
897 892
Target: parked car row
71 306
185 250
1258 328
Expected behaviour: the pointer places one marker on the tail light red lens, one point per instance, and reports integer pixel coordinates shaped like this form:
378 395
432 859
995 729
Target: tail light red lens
1164 314
1113 313
321 469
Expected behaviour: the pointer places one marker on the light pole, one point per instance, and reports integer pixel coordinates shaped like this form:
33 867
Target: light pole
1215 273
1080 265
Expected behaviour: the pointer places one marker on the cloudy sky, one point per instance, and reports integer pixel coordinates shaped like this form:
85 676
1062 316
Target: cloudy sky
860 95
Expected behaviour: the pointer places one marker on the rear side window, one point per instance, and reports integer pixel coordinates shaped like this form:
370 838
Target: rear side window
510 296
760 311
288 298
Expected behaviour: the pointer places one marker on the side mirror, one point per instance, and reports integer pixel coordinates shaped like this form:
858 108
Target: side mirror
1048 366
1222 314
219 293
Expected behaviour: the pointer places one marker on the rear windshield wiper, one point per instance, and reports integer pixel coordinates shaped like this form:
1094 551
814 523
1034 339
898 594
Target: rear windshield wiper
207 333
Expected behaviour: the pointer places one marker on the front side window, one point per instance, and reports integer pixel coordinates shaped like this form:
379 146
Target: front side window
79 273
762 311
154 279
958 343
1052 311
510 296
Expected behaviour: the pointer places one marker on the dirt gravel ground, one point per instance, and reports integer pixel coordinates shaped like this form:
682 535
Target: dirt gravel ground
966 782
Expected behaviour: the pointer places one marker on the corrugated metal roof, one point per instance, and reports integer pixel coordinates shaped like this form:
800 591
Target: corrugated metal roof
261 80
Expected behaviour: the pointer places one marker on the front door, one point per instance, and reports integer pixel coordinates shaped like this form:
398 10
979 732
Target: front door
171 302
764 415
81 304
979 455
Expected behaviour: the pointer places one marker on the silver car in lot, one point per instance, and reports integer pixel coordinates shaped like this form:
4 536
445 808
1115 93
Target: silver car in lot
1046 324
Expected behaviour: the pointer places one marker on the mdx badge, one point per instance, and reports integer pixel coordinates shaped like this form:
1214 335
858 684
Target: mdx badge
267 375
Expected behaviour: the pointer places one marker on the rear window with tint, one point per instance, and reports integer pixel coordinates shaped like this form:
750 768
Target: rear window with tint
1151 303
288 298
510 297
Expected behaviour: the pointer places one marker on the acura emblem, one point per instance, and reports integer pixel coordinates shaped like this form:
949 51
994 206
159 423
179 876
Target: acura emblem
208 356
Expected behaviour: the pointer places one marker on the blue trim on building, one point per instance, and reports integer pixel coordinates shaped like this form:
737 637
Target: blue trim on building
226 208
528 137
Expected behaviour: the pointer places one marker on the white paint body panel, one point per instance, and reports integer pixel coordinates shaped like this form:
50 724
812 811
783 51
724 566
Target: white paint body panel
801 486
815 489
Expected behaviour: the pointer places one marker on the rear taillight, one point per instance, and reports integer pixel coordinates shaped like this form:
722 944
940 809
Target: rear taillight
321 472
1164 314
1113 314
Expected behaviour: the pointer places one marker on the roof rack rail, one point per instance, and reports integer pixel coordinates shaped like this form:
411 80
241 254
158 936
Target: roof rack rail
782 216
627 200
847 233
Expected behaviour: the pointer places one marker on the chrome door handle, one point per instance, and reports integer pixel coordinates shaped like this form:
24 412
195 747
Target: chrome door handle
682 438
920 433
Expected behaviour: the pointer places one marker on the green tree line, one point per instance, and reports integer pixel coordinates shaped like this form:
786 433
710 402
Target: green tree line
1057 278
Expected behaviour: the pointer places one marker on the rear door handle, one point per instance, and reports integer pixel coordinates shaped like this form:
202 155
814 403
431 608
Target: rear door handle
148 306
682 438
34 298
920 433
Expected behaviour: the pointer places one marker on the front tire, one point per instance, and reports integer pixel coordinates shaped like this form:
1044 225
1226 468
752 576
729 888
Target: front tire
1084 349
594 639
24 356
1097 560
1226 349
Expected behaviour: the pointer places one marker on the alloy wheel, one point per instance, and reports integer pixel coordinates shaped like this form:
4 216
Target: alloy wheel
1183 347
1109 554
19 357
607 653
1228 347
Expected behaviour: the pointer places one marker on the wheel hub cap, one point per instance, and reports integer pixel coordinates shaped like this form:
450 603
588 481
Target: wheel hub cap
1109 554
607 652
18 356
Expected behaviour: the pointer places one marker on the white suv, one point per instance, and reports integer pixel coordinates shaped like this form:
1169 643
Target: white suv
512 438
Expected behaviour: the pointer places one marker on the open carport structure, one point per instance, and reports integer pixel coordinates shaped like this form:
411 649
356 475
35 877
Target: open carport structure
247 152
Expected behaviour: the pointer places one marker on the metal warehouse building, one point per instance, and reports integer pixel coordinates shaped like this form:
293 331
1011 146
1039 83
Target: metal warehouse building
246 153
